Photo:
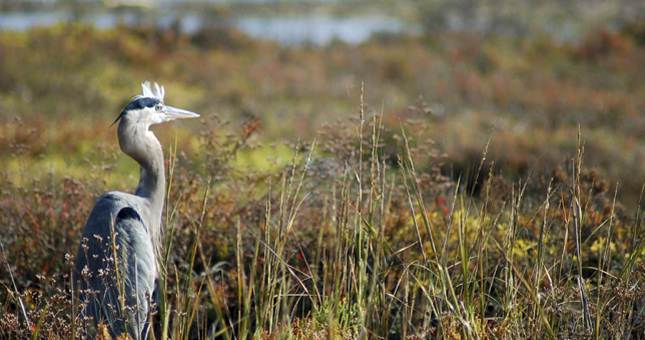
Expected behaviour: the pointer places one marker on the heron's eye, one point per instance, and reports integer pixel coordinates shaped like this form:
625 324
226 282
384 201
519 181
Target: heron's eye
158 107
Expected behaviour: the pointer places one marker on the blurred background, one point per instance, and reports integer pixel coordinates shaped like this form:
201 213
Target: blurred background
522 77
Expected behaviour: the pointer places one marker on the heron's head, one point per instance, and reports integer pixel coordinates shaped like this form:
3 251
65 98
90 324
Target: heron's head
149 108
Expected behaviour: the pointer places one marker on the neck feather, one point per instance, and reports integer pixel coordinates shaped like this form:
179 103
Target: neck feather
152 182
141 144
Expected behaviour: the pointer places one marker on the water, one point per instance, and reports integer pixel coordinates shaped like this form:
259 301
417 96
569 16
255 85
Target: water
19 21
318 29
314 29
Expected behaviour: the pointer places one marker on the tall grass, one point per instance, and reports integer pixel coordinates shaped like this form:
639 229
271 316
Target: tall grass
346 241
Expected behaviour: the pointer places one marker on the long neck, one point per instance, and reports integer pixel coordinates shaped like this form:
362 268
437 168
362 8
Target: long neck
142 145
152 182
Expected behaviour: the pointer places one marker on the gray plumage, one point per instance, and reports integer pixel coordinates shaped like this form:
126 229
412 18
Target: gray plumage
116 264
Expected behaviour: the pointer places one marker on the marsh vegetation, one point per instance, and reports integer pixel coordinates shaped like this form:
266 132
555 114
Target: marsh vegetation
455 185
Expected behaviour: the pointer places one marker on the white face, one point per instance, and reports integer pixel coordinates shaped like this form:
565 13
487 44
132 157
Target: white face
149 108
147 115
157 114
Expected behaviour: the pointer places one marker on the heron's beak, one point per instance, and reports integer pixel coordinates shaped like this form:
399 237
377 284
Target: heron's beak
173 113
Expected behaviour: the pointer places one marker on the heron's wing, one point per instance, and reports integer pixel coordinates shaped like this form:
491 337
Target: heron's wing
116 266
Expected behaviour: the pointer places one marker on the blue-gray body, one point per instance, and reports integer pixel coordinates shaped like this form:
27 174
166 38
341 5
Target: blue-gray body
117 266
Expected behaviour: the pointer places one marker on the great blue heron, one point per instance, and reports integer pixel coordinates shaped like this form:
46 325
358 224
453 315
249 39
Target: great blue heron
116 264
